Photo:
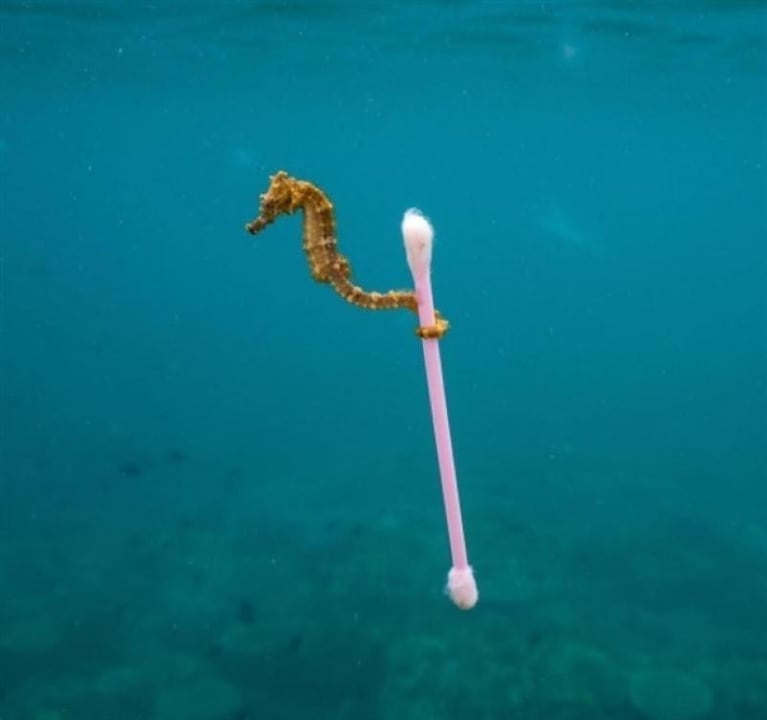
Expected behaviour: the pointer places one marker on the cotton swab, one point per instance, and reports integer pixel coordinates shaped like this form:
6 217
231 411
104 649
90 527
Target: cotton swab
418 235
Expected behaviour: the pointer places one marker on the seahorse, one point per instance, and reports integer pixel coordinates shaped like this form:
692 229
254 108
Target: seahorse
287 195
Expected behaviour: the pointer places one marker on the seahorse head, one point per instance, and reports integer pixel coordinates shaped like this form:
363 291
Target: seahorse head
279 196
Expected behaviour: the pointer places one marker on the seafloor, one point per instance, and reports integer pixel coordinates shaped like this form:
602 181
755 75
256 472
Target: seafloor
214 609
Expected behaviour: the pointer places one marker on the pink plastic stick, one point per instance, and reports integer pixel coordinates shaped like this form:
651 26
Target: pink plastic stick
419 235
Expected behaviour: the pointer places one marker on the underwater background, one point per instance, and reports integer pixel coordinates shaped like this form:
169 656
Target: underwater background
219 497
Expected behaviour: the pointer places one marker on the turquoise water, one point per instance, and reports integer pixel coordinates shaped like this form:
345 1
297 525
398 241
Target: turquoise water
219 495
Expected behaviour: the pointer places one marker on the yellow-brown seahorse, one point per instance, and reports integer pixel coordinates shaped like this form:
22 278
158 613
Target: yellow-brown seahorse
287 195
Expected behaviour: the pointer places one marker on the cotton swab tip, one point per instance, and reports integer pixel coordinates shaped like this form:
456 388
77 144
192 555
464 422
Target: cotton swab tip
462 587
419 237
